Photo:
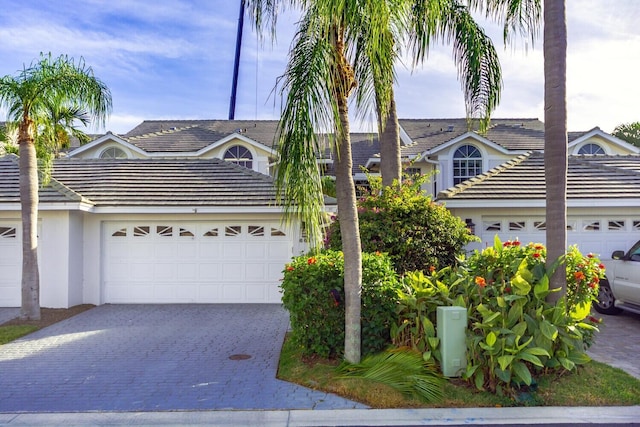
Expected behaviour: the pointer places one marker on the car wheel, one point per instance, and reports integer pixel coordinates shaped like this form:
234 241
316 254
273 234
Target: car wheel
606 300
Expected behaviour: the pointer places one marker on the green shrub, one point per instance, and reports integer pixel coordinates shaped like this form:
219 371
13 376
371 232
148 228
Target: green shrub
402 221
513 331
418 300
313 293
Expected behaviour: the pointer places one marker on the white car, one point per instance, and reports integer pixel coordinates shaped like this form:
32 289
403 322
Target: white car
620 290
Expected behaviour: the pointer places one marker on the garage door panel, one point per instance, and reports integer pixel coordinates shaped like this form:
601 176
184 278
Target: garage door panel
207 262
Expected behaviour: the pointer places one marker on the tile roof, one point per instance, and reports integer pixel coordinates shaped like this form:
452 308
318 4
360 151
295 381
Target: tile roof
588 177
187 135
159 182
55 192
512 134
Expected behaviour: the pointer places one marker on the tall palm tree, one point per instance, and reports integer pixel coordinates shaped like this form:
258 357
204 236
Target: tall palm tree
524 14
475 56
317 83
555 137
28 98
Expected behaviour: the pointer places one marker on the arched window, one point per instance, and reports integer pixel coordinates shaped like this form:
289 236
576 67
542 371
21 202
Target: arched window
591 149
113 153
239 155
467 163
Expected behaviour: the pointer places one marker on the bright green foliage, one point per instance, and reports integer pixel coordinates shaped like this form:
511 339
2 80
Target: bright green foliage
583 276
317 316
404 222
418 300
514 332
404 370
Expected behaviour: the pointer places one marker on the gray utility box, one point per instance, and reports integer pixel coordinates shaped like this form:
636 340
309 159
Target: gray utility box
452 326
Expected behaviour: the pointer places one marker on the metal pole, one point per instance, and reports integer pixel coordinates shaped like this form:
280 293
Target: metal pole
236 65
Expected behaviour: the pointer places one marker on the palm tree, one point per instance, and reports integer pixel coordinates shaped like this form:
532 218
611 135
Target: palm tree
317 84
28 98
475 56
555 137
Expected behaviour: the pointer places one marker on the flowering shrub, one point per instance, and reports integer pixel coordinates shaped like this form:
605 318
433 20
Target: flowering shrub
405 223
583 277
513 331
313 293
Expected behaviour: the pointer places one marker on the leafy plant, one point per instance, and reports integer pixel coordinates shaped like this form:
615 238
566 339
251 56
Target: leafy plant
514 332
404 222
403 370
313 293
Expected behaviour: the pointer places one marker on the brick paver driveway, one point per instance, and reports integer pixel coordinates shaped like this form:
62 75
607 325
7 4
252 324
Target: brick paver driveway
155 358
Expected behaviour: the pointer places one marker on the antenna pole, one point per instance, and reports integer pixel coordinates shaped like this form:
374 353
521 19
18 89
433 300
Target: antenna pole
236 65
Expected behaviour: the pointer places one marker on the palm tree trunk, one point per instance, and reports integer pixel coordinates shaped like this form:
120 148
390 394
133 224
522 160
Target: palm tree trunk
351 247
347 209
390 164
555 145
29 205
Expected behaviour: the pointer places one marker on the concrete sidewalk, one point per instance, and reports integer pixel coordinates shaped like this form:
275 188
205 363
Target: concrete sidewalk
547 416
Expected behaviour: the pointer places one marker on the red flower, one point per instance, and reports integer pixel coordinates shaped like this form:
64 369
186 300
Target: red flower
589 255
481 282
432 268
507 289
290 268
601 266
539 247
311 260
578 275
516 243
536 255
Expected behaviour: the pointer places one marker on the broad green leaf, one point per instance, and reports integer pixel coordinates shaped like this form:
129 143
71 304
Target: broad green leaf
581 311
538 351
520 329
522 372
530 358
520 285
501 302
479 380
491 339
434 342
566 363
548 330
505 361
504 375
541 290
515 313
524 272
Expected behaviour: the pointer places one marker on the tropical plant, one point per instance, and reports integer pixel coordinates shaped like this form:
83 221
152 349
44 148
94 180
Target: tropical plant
404 370
405 223
313 293
317 84
28 97
513 331
629 132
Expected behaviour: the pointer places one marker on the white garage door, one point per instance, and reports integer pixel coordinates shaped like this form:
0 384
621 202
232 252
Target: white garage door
194 262
598 235
10 264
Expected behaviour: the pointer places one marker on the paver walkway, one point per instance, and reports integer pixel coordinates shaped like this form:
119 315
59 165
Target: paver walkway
155 358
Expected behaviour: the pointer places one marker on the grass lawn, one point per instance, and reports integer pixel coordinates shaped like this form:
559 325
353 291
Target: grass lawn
10 333
594 384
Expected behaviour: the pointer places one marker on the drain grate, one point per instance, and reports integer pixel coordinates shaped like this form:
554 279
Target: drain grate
239 357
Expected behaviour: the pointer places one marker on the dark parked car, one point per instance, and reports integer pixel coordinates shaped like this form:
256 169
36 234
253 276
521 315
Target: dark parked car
621 288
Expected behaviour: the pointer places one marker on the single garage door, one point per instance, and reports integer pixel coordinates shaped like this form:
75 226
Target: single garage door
194 262
597 235
10 264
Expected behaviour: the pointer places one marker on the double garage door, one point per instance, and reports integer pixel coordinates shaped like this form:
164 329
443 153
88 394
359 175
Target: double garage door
597 235
194 262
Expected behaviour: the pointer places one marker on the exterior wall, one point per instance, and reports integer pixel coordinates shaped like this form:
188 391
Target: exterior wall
53 259
490 159
76 254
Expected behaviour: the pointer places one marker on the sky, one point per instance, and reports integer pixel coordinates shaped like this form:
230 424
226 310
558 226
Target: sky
173 59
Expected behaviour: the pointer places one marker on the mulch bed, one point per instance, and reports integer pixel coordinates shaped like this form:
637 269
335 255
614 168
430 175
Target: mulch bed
49 316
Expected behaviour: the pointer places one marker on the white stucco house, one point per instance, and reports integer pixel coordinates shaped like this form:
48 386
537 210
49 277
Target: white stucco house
184 211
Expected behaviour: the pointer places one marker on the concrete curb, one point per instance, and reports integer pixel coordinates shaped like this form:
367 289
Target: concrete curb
606 416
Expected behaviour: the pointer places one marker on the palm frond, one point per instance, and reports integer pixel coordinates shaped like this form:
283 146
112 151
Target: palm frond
401 369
